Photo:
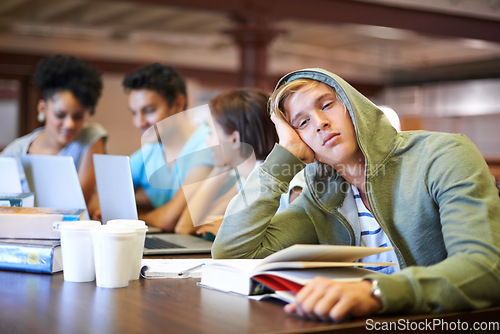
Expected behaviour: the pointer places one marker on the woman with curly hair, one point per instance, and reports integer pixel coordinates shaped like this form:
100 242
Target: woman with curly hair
70 90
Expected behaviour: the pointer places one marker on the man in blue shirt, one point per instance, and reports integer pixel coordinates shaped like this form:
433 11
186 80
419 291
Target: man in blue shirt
173 150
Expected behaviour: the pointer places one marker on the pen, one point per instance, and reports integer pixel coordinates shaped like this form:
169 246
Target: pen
187 271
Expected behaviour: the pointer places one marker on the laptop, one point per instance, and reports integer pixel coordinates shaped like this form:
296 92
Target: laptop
10 180
54 180
117 201
114 187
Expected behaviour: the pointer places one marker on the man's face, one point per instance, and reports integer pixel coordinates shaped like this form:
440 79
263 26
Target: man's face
148 107
320 119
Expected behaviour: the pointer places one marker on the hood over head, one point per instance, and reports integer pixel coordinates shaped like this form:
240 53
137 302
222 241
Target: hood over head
375 135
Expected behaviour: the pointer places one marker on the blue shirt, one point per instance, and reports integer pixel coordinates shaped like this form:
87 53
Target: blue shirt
160 182
372 235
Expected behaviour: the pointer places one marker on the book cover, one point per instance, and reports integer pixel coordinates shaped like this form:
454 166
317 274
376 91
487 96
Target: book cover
286 271
31 255
17 199
35 222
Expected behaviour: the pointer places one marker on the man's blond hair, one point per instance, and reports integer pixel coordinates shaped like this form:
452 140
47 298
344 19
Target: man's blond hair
277 99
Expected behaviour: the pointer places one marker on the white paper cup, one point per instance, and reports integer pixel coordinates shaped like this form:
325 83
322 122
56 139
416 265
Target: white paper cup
138 247
77 250
112 252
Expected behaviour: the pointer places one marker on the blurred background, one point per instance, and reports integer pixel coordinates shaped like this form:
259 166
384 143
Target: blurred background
435 62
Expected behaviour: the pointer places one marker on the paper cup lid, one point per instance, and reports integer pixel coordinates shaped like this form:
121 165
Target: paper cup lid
113 230
78 225
139 225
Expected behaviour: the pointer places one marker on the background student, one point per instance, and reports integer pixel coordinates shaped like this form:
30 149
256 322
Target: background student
157 98
70 90
241 137
429 195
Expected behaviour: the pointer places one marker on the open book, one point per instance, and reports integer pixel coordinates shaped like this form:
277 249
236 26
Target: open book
285 272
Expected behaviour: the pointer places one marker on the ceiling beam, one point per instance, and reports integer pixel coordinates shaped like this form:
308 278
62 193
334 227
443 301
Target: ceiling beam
57 9
7 5
420 21
342 11
25 65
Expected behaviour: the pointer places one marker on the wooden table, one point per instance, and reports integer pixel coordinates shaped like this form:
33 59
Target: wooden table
37 303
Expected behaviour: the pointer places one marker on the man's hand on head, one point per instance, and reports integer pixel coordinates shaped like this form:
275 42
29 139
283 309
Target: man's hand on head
289 139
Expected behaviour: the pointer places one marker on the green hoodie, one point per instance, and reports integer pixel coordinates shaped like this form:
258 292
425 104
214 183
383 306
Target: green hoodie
432 194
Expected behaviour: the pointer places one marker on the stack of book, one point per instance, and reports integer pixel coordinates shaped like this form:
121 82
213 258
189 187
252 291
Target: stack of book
29 238
17 199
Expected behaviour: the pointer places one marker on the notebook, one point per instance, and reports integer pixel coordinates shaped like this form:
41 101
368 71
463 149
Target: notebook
117 201
54 180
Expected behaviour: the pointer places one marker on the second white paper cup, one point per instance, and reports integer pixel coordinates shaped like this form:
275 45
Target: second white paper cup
138 247
112 252
77 250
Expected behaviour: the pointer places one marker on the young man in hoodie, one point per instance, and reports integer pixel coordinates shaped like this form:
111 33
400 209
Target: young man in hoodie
428 195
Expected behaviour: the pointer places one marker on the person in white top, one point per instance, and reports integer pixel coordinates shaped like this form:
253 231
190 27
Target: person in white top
70 90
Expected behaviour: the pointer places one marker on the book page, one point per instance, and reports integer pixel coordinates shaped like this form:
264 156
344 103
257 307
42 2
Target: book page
305 276
246 266
232 275
324 253
316 264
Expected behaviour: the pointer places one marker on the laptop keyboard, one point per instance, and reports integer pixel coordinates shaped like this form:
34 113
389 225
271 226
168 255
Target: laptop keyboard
157 243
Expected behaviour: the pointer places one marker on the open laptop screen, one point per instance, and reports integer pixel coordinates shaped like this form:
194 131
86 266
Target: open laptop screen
54 180
115 187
